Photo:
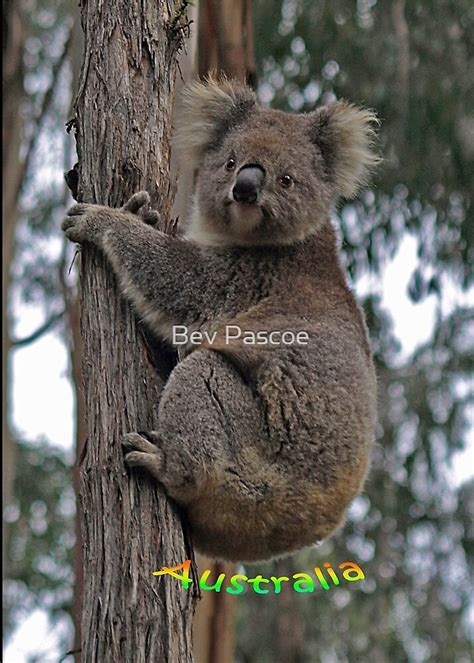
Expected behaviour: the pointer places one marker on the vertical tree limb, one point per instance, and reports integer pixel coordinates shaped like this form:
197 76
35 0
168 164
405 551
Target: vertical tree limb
129 527
224 45
225 41
73 312
14 36
403 37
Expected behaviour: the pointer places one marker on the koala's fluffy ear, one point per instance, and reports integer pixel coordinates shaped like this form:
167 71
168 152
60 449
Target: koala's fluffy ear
345 135
210 109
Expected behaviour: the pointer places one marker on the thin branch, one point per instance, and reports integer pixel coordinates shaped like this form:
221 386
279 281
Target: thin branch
48 96
46 326
403 38
69 653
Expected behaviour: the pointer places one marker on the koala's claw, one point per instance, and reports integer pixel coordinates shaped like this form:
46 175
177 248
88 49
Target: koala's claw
139 442
82 223
142 453
136 459
75 227
87 222
135 205
151 218
80 208
67 223
136 202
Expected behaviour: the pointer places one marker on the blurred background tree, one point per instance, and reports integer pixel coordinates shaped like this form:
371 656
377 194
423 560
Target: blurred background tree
412 530
41 53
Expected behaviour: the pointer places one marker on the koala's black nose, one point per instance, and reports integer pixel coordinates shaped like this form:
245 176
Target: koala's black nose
248 184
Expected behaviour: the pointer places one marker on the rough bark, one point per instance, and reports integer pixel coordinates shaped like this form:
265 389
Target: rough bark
80 433
129 527
76 351
80 437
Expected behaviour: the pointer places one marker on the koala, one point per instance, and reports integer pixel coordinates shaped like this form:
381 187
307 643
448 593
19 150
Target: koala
264 444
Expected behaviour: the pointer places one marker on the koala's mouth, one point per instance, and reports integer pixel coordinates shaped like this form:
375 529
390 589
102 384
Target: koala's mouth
243 206
240 203
244 217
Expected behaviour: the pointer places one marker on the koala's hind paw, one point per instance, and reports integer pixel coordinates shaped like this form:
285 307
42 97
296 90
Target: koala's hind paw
140 452
141 442
137 201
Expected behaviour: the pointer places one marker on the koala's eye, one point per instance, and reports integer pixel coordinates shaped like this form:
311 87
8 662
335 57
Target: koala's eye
230 165
286 181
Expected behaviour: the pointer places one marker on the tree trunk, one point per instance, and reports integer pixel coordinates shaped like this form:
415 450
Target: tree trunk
72 308
214 623
224 45
129 527
75 355
225 42
290 621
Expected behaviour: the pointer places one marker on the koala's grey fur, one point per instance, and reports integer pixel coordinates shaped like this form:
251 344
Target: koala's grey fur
264 446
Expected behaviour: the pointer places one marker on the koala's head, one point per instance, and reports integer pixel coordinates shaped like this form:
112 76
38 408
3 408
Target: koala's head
264 176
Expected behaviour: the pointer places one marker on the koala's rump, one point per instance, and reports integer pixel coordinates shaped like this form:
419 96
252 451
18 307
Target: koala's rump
263 485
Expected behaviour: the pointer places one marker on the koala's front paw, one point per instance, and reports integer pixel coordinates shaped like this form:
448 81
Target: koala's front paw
86 223
140 452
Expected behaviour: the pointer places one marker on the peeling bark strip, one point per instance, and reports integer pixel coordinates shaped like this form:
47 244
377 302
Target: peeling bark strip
129 528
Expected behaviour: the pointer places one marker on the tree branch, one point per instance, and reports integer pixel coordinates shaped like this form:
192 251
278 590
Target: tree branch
402 33
46 326
23 170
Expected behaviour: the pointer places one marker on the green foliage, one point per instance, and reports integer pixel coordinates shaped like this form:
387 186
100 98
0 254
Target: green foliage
44 108
316 51
40 535
411 530
40 522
